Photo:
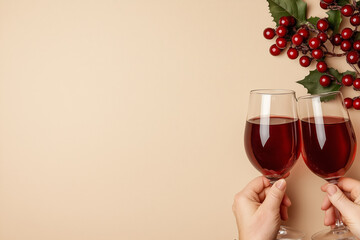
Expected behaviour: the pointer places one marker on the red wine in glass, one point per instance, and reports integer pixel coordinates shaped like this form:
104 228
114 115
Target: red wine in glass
273 145
330 145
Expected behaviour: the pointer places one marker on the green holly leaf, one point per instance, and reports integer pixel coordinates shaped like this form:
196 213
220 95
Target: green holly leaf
342 2
335 73
311 83
313 20
334 18
295 8
349 72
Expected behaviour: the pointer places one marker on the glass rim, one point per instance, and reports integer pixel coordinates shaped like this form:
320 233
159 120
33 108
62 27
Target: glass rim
319 95
270 91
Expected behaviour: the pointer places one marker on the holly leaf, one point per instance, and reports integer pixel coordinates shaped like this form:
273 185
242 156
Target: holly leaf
335 74
348 72
313 20
342 2
311 83
334 19
295 8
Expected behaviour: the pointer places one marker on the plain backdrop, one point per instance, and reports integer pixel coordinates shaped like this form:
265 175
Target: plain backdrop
125 119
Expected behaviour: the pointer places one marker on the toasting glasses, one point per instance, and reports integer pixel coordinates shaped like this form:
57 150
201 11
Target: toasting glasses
272 139
329 146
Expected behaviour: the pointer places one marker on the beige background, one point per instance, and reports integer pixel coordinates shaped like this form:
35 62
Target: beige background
124 119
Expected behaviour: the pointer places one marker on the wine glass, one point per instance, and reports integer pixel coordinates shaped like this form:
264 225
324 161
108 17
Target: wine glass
272 140
329 146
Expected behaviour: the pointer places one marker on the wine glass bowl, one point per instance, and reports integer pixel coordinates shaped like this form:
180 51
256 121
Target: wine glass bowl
328 138
271 138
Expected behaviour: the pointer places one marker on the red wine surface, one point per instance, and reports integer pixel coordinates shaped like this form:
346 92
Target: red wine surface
329 145
272 144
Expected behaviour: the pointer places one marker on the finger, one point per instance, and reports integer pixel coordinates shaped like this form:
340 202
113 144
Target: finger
323 187
348 195
252 190
286 201
329 216
264 193
326 204
284 212
257 185
339 200
275 195
350 185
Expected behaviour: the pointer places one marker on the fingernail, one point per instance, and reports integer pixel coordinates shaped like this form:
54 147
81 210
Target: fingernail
280 184
331 190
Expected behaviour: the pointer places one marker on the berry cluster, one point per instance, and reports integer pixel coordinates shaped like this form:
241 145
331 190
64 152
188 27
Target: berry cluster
316 42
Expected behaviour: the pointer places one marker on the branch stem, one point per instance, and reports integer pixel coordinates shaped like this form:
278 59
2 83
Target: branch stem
353 67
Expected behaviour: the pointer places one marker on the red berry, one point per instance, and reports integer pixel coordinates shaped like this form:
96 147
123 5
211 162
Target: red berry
346 33
284 21
269 33
356 83
323 5
347 80
322 36
328 1
314 43
274 50
345 45
356 45
317 53
297 39
281 31
304 33
305 61
355 20
336 39
347 10
281 42
325 80
352 57
292 53
348 102
292 20
321 66
356 103
322 24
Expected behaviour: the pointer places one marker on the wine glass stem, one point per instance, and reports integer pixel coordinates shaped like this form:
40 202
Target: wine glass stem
338 222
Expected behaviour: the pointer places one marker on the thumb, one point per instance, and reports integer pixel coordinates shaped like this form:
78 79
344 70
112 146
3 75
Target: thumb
339 200
275 195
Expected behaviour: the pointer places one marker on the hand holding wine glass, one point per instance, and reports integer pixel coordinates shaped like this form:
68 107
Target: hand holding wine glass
346 198
259 208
